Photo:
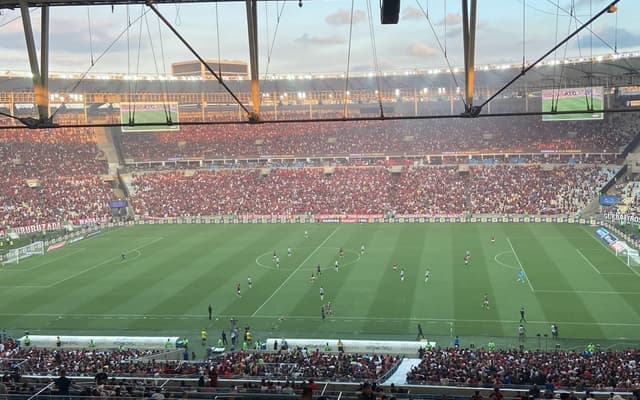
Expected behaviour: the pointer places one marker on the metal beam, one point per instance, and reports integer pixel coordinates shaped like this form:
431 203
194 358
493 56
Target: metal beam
469 48
252 29
44 57
13 4
41 96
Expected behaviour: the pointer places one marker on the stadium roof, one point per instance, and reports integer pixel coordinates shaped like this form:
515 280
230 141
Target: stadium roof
11 4
608 70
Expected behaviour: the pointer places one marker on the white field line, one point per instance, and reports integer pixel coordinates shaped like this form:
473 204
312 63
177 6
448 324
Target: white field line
589 262
609 249
308 317
296 270
520 263
102 263
42 264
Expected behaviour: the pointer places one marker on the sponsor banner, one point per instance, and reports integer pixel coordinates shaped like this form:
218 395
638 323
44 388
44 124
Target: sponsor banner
102 342
608 200
56 246
606 236
356 346
76 239
622 218
618 246
89 221
94 233
608 239
601 232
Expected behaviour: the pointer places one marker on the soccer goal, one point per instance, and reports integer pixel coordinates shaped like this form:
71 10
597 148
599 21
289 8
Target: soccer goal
630 255
16 255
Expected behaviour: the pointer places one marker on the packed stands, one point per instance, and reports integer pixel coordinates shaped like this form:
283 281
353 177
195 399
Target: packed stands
51 176
514 189
534 190
602 370
26 153
295 363
629 203
300 363
417 137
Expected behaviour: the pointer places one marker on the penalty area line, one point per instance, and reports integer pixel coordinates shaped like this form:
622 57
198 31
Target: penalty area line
521 266
295 270
610 251
107 261
589 262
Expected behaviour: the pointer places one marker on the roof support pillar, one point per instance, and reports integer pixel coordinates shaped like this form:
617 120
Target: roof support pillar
469 45
40 72
252 29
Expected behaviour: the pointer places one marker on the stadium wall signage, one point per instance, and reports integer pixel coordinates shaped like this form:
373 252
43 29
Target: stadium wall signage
624 218
360 218
23 230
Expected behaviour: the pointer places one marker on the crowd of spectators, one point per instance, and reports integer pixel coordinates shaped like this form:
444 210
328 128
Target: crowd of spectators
415 137
65 152
54 200
599 370
513 189
602 370
499 189
300 363
51 176
294 363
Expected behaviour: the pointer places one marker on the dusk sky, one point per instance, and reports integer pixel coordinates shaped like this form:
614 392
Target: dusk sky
315 38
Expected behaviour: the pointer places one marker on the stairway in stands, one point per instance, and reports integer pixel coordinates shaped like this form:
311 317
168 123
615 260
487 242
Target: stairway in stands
399 377
104 142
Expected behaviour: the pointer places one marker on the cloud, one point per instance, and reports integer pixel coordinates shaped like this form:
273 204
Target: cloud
321 40
422 50
343 17
626 39
451 19
580 3
412 13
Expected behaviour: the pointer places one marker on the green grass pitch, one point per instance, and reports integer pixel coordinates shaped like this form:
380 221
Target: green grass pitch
571 104
172 272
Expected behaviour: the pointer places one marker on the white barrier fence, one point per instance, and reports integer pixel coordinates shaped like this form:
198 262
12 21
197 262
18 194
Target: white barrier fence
354 346
101 342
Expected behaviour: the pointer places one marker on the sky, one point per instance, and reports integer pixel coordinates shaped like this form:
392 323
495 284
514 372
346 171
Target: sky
314 38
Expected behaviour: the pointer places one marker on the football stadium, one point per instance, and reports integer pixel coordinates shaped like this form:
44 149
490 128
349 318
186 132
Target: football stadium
445 226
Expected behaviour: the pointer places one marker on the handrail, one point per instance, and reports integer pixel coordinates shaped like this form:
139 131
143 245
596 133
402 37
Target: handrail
41 390
324 388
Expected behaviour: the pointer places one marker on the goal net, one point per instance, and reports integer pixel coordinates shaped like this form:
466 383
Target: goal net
629 254
16 255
